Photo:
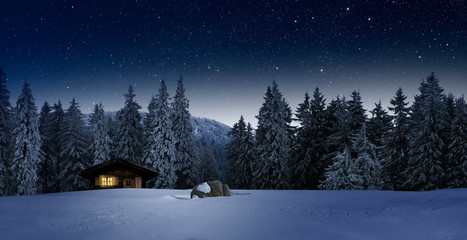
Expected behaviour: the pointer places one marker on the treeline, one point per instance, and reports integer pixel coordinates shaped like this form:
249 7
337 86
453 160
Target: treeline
336 146
42 153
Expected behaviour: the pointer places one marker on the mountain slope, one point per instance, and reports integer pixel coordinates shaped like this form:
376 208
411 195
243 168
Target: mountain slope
207 131
214 133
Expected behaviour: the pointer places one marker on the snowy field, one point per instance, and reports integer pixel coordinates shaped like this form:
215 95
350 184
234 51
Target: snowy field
170 214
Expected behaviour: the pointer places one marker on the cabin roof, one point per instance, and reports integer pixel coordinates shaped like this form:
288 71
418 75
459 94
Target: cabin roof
91 172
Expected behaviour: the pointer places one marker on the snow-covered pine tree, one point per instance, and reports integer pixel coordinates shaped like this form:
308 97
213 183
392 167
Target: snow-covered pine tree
56 129
209 170
342 174
246 160
160 151
309 148
378 125
150 116
184 139
367 163
94 114
273 141
396 143
101 141
356 111
46 169
74 155
450 109
233 151
5 137
340 136
147 121
302 168
425 171
28 154
450 103
113 133
320 134
129 144
456 167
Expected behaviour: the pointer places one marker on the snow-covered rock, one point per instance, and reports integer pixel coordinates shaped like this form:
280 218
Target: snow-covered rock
204 187
210 189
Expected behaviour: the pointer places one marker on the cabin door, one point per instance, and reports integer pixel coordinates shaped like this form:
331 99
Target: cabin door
128 183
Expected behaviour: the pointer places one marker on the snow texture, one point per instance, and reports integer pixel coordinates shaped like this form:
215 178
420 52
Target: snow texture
204 187
247 214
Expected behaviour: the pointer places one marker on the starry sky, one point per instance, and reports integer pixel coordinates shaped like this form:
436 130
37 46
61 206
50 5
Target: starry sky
228 52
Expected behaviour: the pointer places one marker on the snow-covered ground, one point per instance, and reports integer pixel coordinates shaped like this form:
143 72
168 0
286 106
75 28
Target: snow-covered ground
170 214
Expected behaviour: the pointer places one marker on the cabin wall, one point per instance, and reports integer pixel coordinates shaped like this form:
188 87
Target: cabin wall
119 175
138 182
125 181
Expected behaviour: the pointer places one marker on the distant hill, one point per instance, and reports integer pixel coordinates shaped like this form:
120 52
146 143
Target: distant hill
214 133
207 131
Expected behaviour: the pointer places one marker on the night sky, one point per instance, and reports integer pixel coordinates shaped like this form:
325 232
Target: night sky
229 51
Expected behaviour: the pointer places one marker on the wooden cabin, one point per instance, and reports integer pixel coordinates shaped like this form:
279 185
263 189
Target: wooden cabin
118 173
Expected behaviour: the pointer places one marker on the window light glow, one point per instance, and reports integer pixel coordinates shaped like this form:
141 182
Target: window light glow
106 181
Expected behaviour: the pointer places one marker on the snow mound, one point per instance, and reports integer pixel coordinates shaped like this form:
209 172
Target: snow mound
204 187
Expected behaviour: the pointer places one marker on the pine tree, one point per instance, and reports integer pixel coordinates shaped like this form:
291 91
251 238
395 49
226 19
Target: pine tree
451 111
456 166
129 144
302 168
342 174
425 171
367 163
147 121
28 154
150 115
320 134
113 134
94 115
273 141
246 160
309 149
74 153
209 169
184 139
340 136
46 169
233 151
356 111
396 150
160 148
101 141
378 125
5 136
56 144
445 134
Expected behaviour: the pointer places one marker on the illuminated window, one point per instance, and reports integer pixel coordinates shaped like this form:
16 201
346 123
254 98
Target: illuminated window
106 181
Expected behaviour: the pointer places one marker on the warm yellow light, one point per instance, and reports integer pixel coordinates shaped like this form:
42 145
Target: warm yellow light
106 181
